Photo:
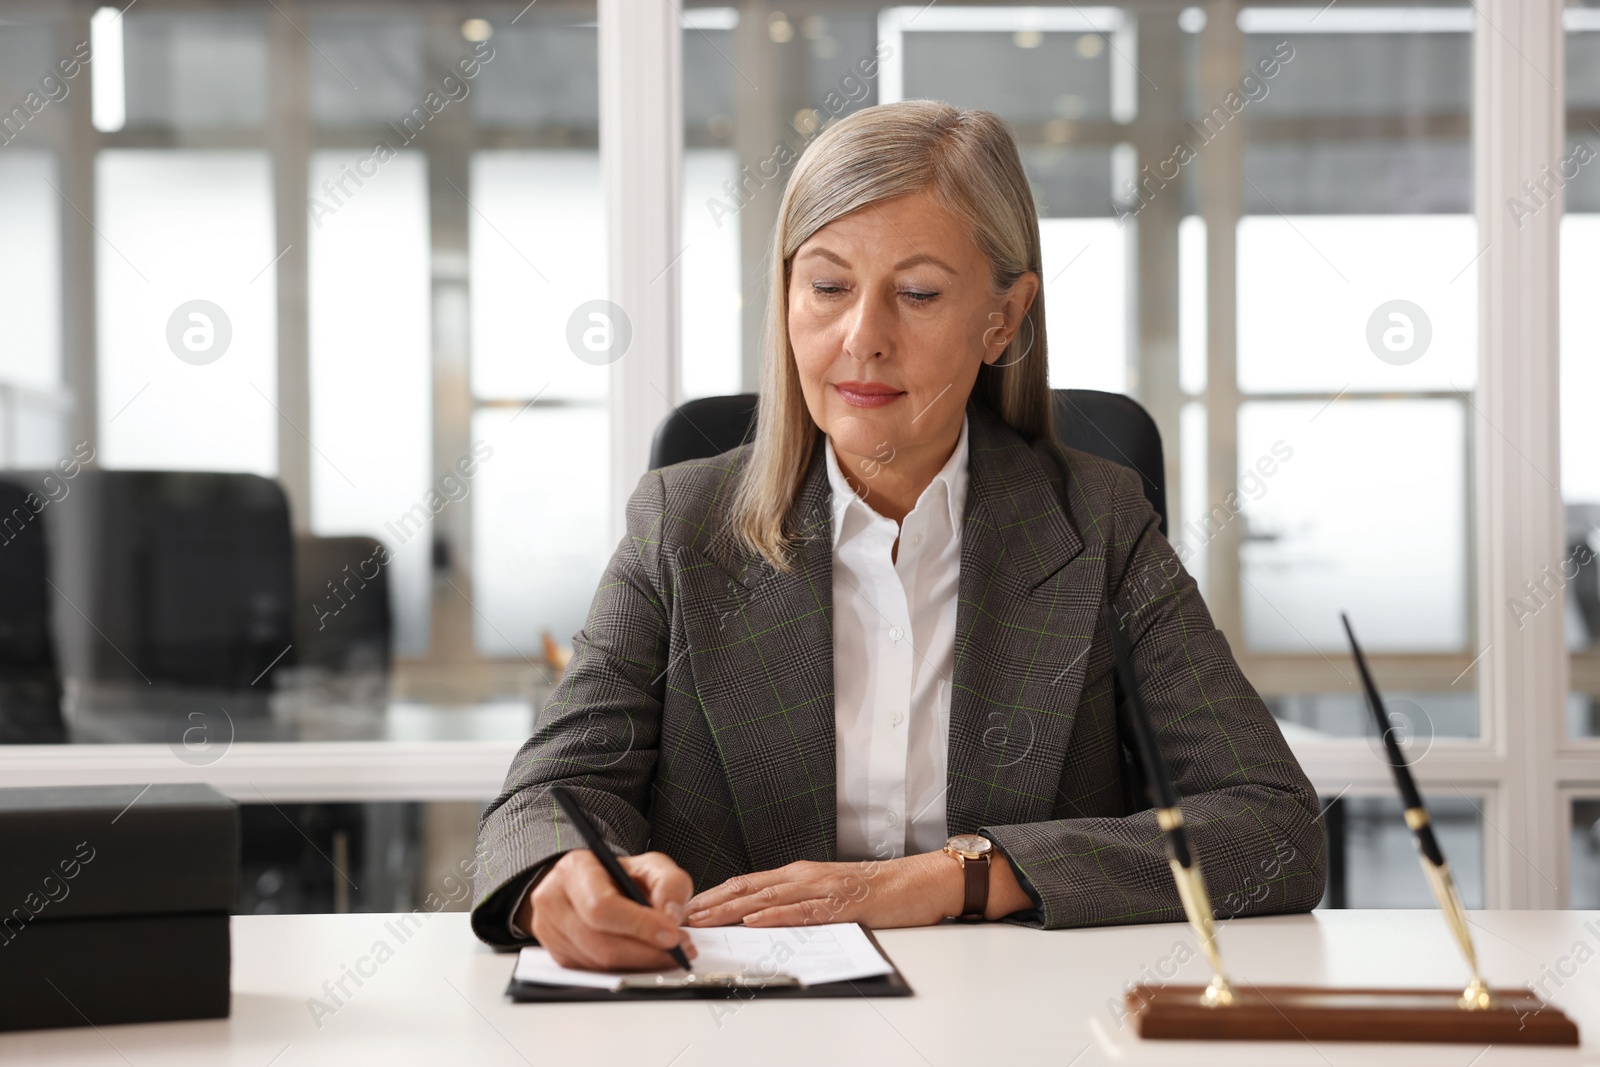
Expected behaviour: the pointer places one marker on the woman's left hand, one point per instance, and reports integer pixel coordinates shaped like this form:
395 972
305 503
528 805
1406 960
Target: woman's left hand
912 891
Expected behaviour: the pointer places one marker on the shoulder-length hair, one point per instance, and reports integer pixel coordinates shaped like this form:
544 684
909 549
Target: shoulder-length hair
969 161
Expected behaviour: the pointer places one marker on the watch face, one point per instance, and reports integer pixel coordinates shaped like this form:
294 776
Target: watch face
970 843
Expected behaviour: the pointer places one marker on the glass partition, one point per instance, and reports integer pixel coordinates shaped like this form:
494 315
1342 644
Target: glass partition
1578 570
350 259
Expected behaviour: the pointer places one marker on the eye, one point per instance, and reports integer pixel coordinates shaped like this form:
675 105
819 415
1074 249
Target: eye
919 296
826 288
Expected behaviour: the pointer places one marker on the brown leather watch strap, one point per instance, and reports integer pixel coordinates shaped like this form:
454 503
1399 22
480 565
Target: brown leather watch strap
977 897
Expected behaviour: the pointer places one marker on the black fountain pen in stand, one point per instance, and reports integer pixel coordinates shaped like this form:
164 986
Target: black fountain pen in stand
1185 865
1476 996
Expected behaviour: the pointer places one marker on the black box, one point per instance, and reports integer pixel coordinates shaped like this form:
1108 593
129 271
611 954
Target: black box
114 904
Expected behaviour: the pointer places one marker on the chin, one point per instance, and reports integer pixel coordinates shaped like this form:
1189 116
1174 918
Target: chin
861 430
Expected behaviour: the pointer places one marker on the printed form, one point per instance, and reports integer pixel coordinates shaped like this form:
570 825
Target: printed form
833 952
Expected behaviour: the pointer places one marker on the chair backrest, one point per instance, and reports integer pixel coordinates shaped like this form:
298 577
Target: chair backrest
186 576
342 618
30 684
1108 425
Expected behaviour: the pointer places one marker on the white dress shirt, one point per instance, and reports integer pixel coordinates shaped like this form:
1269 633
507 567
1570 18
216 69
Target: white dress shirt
894 629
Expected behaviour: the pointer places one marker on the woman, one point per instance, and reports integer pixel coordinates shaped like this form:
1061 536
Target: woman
816 657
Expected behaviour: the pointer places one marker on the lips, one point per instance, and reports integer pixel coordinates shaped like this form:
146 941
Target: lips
867 394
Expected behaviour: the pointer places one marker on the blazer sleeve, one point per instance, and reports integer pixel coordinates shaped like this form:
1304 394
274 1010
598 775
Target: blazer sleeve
597 734
1252 814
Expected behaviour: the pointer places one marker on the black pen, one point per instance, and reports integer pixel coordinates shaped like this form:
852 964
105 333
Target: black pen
597 844
1477 994
1416 813
1158 778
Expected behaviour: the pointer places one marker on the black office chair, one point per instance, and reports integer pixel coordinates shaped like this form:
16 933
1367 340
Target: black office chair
30 683
1108 425
342 615
176 577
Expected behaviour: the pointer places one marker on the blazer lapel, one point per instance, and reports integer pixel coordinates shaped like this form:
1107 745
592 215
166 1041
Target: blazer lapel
761 650
1025 620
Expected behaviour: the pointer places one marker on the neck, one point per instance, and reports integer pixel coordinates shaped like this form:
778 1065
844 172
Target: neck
891 482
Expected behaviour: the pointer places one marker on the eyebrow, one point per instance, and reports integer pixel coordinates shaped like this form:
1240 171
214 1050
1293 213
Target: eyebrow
904 264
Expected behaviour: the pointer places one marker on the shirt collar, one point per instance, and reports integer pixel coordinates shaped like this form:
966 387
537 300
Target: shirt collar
953 476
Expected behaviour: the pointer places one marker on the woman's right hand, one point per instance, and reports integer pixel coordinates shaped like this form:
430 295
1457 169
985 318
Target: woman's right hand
578 913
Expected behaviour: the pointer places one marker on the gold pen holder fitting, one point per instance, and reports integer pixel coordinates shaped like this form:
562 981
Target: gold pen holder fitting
1219 994
1197 905
1476 996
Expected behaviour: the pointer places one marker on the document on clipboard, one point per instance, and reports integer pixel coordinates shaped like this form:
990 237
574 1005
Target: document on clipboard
824 960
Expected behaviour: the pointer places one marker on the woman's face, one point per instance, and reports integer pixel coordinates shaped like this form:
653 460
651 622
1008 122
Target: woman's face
890 315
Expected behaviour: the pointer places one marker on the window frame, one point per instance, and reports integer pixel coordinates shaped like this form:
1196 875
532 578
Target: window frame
1523 765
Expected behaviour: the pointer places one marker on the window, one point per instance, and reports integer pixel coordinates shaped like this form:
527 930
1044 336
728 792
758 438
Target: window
371 373
539 328
32 429
1578 571
187 307
1350 325
1267 228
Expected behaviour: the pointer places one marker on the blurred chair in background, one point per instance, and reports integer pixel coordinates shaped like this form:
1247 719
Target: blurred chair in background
1583 550
30 683
339 688
1583 546
342 620
180 585
181 595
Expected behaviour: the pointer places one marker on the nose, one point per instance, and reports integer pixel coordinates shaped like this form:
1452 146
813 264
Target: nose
870 331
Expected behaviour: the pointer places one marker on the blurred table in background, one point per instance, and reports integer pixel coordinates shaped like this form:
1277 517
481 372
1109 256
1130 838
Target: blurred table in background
283 746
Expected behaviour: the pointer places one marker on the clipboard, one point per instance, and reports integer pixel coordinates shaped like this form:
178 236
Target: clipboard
697 986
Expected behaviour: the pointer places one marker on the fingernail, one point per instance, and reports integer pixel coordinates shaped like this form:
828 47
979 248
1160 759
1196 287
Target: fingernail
675 911
667 938
752 917
698 916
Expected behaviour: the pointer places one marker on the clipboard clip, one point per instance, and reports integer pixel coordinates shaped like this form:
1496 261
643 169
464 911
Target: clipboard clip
709 980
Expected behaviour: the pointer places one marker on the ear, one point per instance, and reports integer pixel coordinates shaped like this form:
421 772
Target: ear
1006 320
1023 292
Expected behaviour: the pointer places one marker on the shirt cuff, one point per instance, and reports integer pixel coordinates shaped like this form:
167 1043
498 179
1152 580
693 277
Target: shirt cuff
538 872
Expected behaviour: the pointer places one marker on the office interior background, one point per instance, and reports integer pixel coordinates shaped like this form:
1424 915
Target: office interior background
348 258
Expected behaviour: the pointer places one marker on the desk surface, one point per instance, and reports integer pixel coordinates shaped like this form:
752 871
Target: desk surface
988 994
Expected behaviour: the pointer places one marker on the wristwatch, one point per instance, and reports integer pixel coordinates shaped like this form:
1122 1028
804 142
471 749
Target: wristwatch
974 853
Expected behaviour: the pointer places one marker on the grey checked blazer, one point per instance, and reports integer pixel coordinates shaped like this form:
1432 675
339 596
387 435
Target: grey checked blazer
697 717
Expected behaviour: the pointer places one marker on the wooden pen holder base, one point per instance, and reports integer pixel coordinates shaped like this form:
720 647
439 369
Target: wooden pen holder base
1308 1013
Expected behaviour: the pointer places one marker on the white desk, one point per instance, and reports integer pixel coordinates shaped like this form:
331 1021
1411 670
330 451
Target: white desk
987 995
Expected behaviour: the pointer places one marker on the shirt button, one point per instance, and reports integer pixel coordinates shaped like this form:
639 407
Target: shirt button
892 819
897 718
916 540
895 633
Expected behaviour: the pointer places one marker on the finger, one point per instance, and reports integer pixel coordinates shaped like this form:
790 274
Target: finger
668 885
738 886
608 952
809 912
573 942
551 920
601 906
769 896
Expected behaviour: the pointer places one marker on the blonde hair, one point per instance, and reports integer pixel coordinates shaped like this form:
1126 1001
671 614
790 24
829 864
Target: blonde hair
968 160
